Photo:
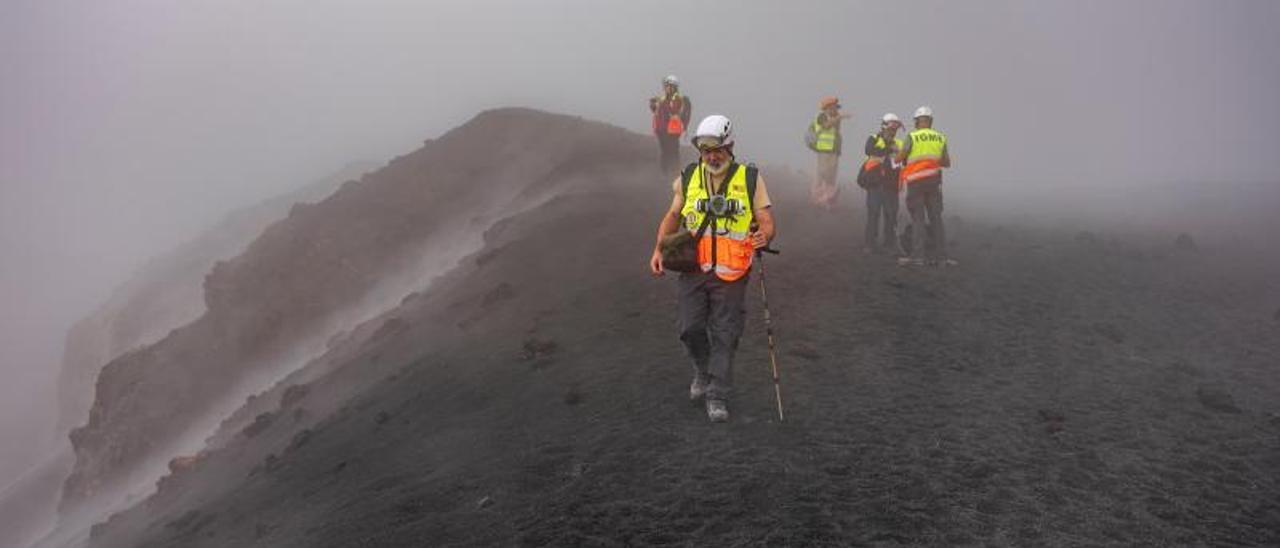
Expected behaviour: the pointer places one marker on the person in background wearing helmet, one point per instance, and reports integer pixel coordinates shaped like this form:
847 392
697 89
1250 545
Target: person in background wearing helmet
879 177
824 139
671 112
711 298
924 154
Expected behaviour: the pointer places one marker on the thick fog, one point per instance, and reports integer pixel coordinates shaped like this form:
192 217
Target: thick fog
126 127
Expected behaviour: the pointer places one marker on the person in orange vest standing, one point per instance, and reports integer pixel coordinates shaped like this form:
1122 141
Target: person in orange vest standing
823 138
721 208
671 112
879 177
924 154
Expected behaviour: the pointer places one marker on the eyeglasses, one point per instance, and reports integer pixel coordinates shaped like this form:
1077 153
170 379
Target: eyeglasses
709 144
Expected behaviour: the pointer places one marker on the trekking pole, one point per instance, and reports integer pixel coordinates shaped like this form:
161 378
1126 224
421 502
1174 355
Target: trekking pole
768 328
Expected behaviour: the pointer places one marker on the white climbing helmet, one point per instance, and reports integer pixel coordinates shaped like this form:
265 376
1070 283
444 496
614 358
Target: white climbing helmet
671 79
890 118
714 131
923 111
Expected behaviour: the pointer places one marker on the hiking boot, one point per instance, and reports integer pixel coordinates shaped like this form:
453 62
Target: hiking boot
697 388
717 410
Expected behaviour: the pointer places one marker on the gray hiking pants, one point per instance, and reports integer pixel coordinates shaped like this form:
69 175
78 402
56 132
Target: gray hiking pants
882 203
924 198
669 156
711 322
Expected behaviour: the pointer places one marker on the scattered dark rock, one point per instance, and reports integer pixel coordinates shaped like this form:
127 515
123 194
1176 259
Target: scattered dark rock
339 467
271 462
484 257
1049 415
410 298
382 417
389 327
1184 242
536 348
97 530
259 425
484 502
503 292
1216 399
1054 421
572 397
300 439
293 394
179 464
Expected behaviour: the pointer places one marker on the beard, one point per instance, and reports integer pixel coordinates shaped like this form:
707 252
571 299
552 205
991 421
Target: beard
718 167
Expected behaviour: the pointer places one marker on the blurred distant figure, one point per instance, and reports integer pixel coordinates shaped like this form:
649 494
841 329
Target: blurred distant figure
924 155
671 112
823 137
879 177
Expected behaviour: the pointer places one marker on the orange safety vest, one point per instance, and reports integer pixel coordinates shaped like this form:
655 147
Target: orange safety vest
673 106
927 145
732 255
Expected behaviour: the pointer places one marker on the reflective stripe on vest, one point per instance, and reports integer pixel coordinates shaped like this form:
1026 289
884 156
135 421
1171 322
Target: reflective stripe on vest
733 251
826 141
872 162
927 145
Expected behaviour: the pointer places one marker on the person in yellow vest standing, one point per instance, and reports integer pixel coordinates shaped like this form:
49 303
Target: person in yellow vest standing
879 177
671 112
823 138
924 154
721 208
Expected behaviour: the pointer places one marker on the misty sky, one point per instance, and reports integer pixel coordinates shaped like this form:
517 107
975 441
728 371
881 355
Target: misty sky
126 127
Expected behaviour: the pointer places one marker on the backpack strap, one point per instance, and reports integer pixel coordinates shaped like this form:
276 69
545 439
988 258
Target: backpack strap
685 176
752 174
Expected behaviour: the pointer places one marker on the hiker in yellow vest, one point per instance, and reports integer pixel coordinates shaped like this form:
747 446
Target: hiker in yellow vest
823 138
671 112
879 177
725 207
924 154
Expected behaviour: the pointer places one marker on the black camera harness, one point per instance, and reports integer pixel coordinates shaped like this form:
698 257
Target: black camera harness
709 218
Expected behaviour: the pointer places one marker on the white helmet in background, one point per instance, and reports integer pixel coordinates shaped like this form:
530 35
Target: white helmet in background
714 131
890 118
671 79
923 112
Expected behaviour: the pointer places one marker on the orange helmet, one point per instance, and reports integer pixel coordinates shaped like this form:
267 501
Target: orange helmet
828 101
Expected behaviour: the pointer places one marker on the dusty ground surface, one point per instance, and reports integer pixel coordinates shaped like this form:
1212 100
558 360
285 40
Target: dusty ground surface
1059 388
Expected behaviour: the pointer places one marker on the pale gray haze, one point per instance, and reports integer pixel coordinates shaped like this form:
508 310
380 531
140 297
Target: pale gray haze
128 126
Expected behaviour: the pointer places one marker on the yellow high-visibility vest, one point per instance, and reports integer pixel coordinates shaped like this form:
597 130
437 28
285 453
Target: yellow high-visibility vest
733 251
927 145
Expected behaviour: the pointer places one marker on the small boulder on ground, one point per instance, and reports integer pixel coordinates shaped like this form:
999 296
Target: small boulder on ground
1216 399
